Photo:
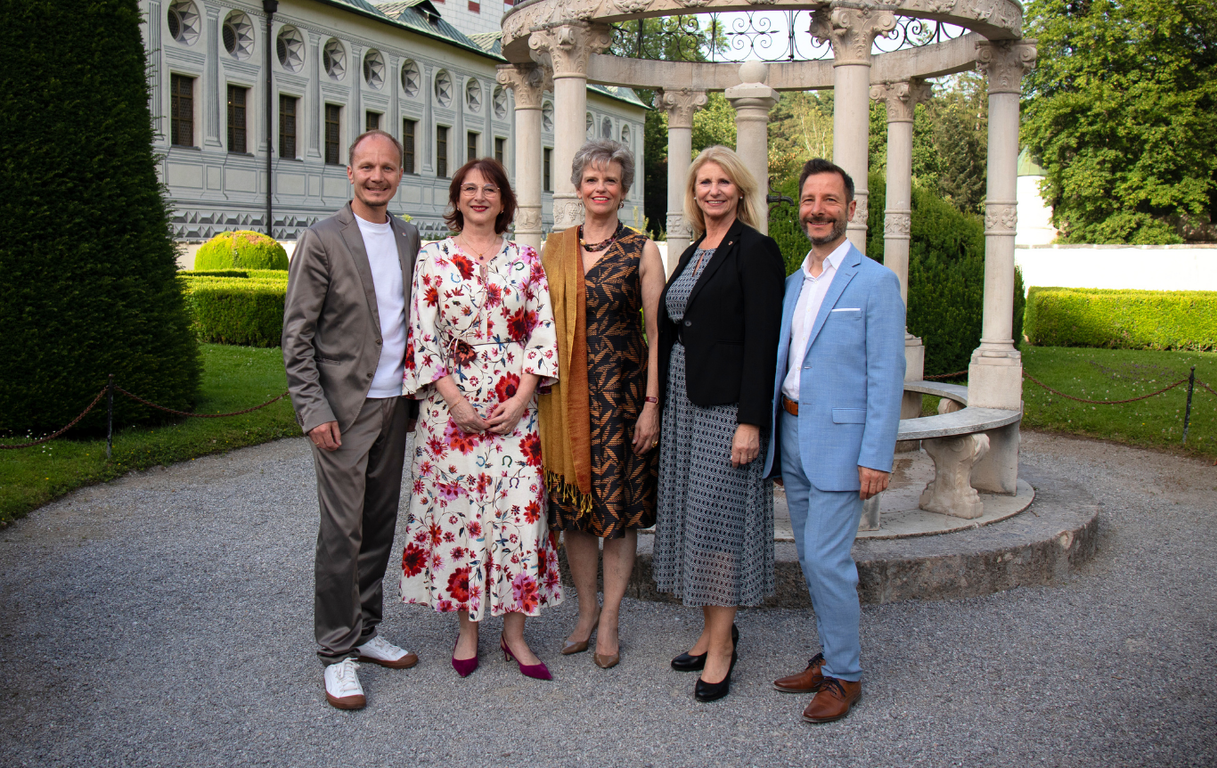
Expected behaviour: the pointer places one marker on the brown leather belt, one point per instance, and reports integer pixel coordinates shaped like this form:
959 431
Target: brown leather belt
790 406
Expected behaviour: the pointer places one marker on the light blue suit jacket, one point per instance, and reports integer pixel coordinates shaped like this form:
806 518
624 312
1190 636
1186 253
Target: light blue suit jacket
852 382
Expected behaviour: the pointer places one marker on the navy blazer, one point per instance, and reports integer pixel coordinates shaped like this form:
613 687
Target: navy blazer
731 325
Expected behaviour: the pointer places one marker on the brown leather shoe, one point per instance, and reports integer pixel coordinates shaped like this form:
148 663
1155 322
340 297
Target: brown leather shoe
807 681
834 700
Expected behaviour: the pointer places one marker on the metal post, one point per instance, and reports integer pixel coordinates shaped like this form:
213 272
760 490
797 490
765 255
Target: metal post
1187 413
270 6
109 416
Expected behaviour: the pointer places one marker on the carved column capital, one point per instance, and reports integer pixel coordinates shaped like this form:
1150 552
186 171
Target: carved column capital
901 98
528 220
680 105
897 224
565 49
677 228
1005 62
1001 218
850 31
567 213
527 82
862 212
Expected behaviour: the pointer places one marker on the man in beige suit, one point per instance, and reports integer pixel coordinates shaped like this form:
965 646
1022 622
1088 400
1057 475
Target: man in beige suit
344 341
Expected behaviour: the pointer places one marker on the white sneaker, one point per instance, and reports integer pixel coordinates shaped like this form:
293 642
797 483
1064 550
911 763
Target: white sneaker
342 688
382 652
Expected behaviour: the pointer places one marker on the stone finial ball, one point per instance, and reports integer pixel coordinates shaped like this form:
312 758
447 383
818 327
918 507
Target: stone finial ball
753 72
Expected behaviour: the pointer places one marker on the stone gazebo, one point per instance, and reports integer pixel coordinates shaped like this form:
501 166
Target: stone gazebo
556 45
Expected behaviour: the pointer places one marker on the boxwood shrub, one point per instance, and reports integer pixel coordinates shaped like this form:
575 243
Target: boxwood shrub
946 271
240 250
1122 319
231 309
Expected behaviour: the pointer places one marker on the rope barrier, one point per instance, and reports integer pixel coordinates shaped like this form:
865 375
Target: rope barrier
150 404
139 399
75 421
1104 402
945 375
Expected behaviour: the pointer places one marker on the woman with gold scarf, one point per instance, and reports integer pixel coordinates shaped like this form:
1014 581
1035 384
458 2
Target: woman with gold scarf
600 422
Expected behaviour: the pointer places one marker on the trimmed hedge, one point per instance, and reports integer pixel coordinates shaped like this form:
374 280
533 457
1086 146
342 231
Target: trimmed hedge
87 261
1122 319
237 309
946 271
242 249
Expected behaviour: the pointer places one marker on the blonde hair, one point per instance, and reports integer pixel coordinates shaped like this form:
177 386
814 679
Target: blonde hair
751 208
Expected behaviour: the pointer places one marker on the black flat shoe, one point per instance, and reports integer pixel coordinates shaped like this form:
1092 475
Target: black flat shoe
688 663
703 691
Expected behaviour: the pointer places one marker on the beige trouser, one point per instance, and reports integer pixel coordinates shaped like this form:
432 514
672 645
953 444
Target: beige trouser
358 487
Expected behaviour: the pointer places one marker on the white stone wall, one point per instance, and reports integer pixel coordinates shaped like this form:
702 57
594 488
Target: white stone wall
1034 215
1150 267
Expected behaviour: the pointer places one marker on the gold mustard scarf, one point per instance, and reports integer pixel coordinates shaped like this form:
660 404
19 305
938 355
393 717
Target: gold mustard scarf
564 413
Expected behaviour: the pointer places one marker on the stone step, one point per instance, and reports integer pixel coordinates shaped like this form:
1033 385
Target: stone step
1041 545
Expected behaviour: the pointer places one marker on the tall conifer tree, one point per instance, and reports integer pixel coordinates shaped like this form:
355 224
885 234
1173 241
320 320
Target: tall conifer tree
87 266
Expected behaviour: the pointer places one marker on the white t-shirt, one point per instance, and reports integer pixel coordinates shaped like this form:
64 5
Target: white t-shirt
381 245
805 311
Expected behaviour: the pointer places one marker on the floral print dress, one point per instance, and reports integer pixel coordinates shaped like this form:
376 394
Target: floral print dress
476 533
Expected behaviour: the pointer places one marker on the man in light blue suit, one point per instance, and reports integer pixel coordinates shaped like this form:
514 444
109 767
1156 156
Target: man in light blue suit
837 393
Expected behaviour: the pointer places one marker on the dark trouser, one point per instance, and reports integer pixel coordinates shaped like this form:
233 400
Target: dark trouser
359 487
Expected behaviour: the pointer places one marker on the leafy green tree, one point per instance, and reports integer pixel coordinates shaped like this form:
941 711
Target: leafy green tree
714 124
87 266
1122 113
800 128
950 138
669 38
958 135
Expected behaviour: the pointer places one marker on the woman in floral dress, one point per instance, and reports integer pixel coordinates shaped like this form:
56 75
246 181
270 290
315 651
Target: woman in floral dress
481 341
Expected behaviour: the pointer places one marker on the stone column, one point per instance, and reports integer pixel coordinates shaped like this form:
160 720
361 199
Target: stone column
752 100
528 85
901 98
680 106
995 374
851 32
564 50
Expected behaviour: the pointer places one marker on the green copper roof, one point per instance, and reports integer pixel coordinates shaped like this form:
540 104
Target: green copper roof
418 16
1028 165
621 93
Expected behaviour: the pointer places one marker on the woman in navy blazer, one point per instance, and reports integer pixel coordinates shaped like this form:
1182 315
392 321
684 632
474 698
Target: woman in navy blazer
719 321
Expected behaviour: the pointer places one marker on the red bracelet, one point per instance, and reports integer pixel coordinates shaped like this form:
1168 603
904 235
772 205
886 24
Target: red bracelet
653 400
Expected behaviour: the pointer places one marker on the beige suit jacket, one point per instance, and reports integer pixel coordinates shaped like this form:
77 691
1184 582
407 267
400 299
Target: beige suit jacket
331 322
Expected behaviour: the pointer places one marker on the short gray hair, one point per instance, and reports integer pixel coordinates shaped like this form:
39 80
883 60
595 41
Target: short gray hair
603 152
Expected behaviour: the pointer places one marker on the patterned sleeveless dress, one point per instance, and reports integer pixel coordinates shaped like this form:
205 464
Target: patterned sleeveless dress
623 484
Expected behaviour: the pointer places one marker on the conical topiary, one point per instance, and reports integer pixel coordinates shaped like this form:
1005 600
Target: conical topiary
87 265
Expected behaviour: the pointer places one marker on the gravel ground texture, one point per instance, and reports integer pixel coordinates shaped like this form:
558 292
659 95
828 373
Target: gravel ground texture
165 619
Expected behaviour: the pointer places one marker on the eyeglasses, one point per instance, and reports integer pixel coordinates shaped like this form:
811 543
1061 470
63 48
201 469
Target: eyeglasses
470 190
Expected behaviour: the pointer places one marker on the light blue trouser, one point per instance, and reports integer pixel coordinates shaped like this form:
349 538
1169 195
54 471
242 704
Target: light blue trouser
825 524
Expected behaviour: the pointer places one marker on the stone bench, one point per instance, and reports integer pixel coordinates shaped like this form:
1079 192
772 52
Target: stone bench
957 440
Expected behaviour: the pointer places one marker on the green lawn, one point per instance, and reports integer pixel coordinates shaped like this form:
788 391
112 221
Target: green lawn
1117 374
234 378
239 377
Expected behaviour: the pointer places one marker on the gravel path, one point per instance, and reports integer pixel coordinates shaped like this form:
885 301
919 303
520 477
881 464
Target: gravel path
165 619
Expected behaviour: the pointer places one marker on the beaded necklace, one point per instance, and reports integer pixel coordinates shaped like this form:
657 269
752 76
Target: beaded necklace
600 246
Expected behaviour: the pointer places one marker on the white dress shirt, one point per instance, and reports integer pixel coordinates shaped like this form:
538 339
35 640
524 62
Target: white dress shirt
805 311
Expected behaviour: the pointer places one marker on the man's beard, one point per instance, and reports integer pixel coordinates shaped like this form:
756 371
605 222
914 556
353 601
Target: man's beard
838 229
